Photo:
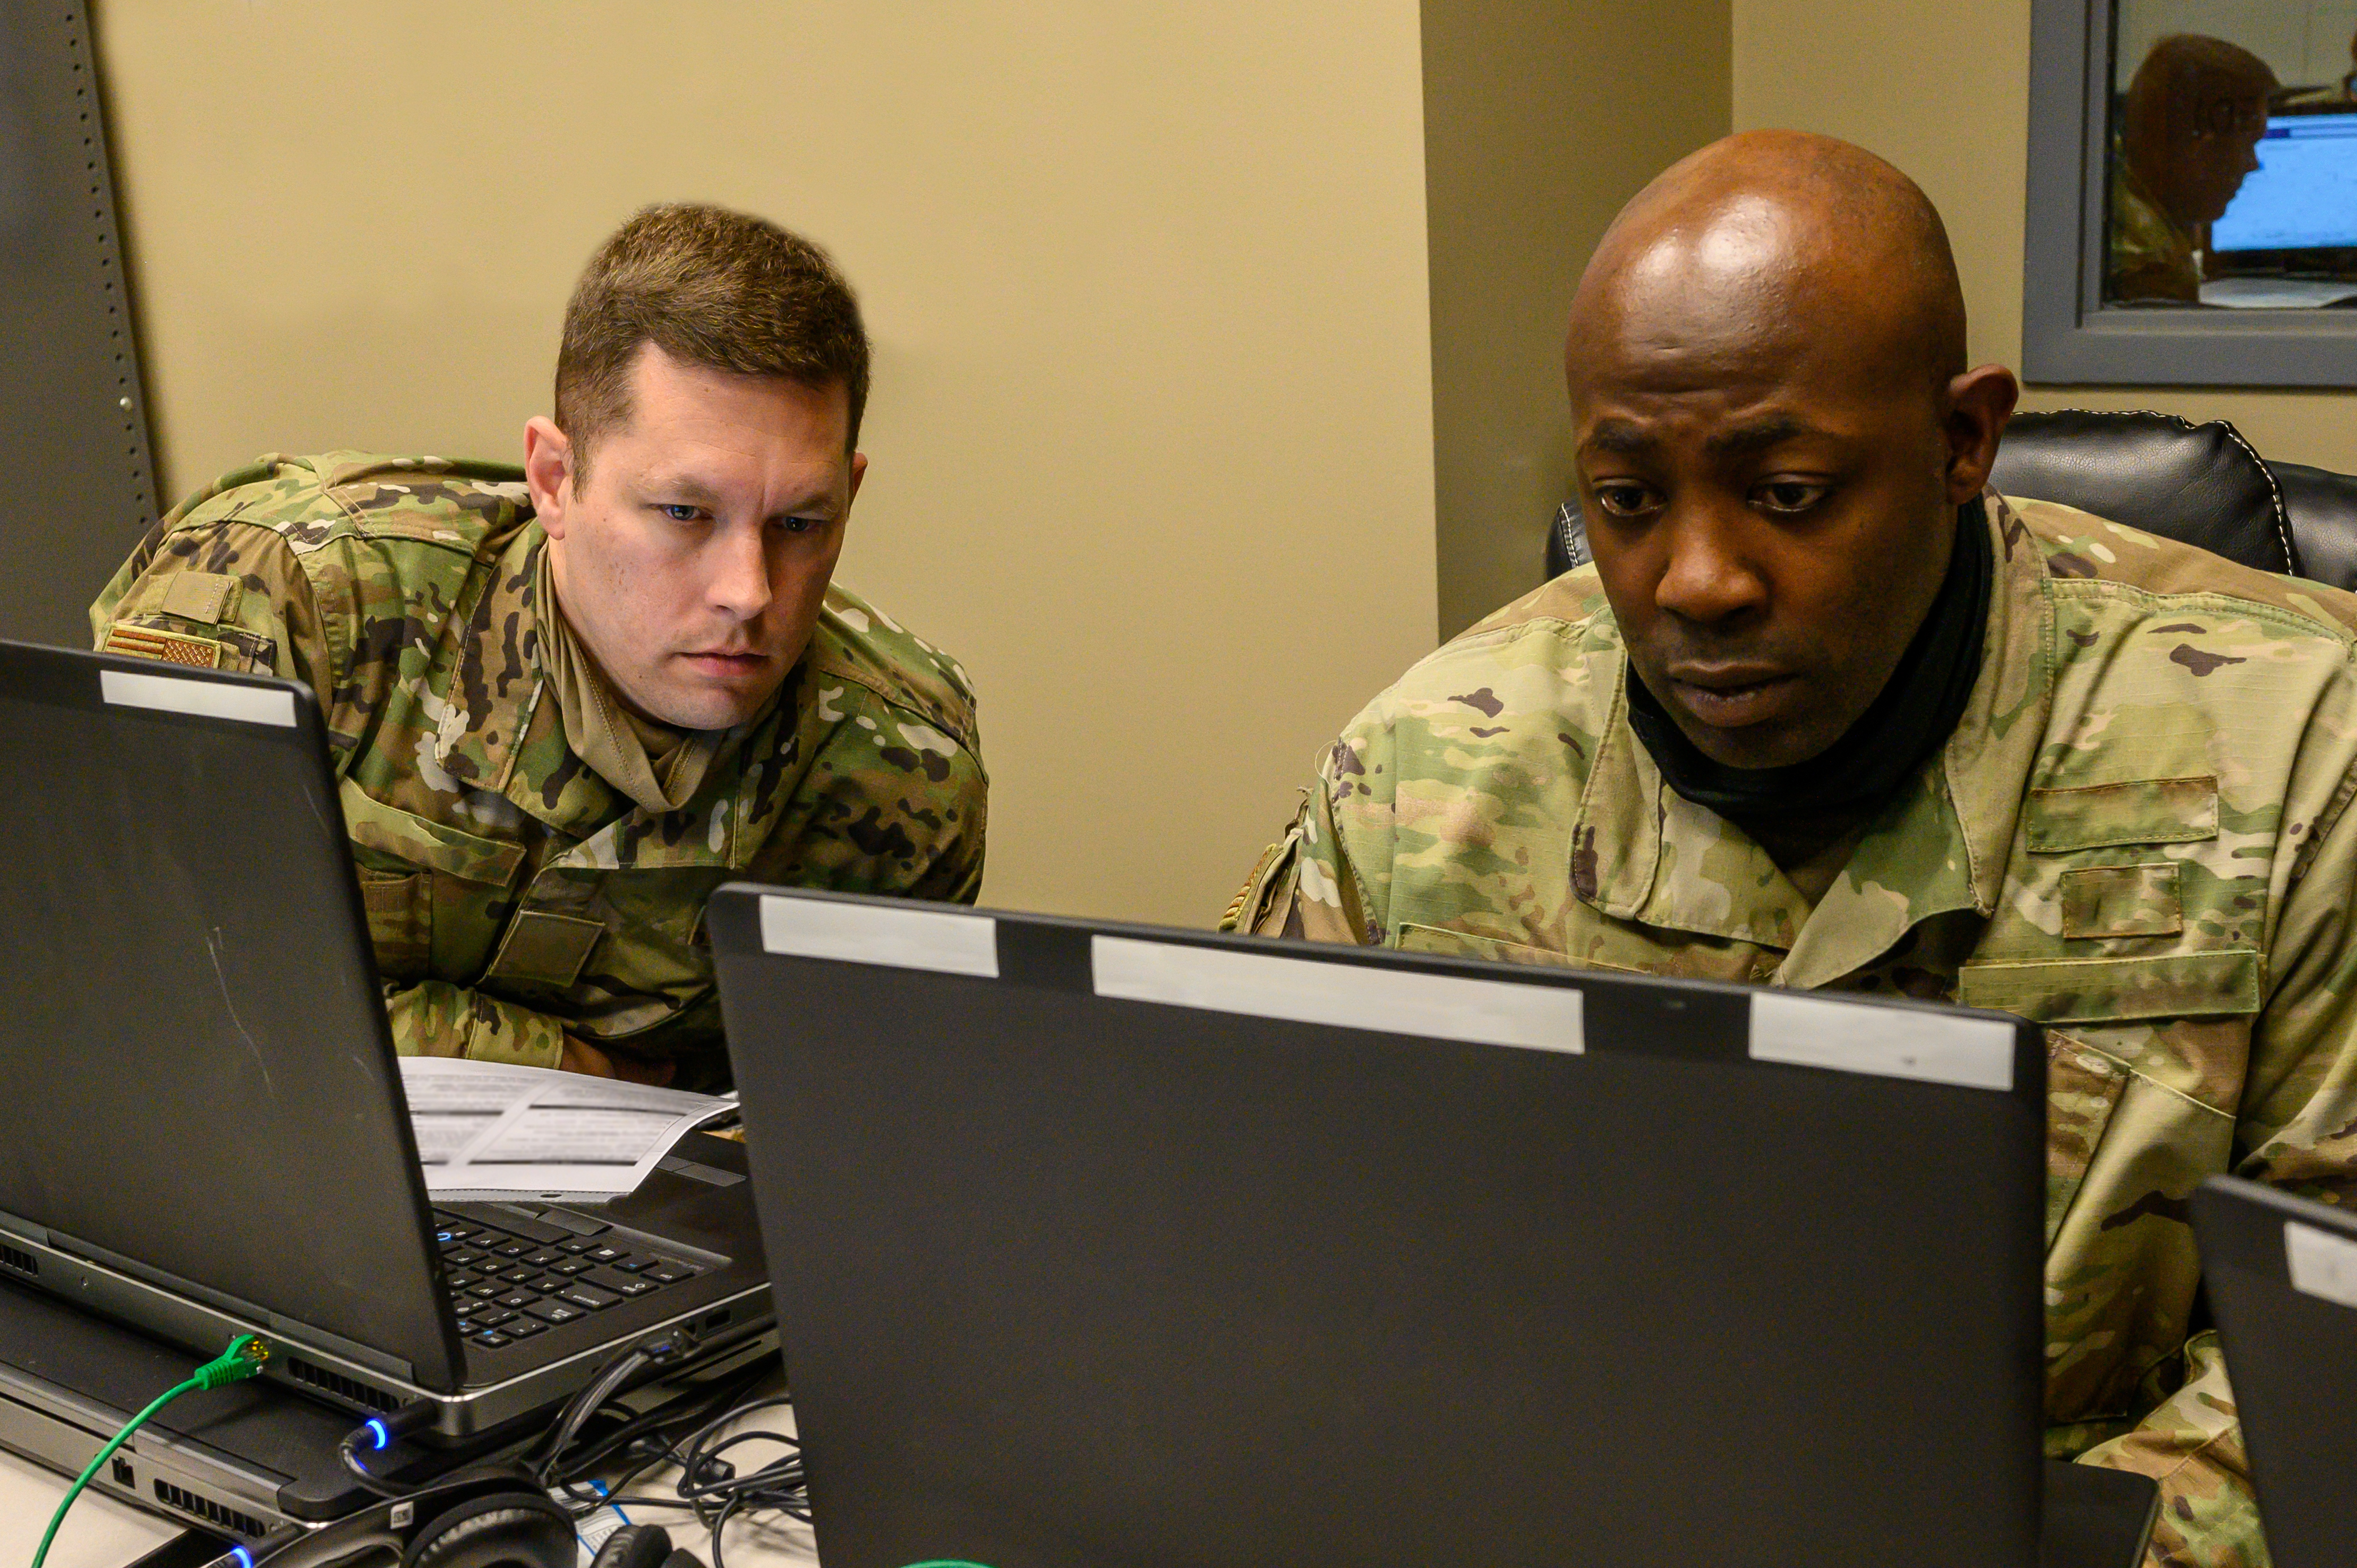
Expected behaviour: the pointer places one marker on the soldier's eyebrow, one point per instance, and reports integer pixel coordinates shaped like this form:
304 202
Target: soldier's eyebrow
1744 439
680 489
686 489
1618 436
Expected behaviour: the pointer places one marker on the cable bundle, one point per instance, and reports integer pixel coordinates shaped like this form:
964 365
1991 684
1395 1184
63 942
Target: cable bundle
689 1430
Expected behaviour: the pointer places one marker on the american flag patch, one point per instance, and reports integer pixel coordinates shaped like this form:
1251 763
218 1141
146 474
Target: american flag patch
147 642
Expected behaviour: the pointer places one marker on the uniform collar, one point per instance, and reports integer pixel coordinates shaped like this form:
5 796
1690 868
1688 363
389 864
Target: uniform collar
499 728
496 683
1939 843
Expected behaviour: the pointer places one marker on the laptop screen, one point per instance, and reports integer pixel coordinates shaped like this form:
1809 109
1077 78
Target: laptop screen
194 1077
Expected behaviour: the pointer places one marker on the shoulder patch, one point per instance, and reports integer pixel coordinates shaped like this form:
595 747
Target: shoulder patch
204 597
170 647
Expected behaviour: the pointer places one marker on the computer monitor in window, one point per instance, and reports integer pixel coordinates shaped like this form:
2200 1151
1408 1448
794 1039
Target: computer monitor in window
2303 195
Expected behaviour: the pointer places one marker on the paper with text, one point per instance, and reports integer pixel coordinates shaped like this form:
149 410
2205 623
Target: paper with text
491 1130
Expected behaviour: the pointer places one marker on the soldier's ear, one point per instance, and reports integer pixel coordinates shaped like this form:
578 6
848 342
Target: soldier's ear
1979 402
548 473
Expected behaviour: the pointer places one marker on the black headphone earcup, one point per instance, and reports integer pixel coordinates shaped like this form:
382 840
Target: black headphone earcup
506 1530
634 1546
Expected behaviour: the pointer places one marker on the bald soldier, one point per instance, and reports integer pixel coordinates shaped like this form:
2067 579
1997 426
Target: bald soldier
1828 712
566 701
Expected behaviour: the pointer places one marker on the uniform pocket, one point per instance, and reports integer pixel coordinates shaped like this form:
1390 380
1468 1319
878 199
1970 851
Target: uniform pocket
401 922
390 831
1437 940
2083 1090
2217 983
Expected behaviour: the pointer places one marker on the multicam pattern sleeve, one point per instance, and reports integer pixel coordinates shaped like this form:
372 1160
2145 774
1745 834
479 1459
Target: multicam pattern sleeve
249 575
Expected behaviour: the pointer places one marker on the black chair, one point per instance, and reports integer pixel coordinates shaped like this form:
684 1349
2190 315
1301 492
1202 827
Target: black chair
2199 483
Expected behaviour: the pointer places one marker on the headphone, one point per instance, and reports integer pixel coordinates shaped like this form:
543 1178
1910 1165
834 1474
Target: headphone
642 1546
491 1518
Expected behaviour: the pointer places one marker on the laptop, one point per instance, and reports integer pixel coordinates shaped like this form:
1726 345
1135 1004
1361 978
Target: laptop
1127 1246
2281 1273
202 1129
238 1461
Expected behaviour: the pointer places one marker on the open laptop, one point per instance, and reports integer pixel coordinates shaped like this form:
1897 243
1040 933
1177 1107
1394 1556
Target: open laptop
202 1131
1098 1243
2281 1273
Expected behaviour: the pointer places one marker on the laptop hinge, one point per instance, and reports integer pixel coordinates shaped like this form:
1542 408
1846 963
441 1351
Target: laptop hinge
229 1305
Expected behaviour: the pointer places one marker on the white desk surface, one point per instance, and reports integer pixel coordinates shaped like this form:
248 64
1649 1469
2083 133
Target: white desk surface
102 1533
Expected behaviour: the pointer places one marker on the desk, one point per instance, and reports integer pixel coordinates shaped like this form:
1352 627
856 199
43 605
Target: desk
103 1533
99 1533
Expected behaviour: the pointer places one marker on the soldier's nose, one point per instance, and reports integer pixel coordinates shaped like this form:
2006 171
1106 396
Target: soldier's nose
740 579
1706 580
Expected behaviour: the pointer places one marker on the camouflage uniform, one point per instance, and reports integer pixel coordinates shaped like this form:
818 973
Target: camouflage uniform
2152 255
2136 836
514 895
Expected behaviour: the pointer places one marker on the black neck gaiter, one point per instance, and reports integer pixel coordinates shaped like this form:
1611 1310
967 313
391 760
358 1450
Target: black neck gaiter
1916 712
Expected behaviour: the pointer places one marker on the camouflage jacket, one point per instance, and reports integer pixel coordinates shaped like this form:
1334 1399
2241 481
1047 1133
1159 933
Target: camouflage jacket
2152 255
512 894
2136 836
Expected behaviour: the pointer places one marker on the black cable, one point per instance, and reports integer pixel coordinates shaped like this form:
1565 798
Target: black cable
380 1433
717 1526
708 1488
689 1408
677 1352
650 1438
578 1409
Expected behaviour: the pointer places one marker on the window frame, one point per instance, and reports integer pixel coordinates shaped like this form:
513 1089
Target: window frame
2069 335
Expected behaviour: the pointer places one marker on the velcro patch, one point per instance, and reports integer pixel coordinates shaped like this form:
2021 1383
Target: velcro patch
2217 983
2122 901
545 948
2141 810
200 596
171 647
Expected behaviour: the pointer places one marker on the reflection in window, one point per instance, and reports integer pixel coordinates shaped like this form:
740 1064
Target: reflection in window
2233 165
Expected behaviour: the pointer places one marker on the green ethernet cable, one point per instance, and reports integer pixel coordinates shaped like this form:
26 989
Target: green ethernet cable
244 1359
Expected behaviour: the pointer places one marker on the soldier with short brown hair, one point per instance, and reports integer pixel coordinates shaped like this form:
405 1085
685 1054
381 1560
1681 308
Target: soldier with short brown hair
568 700
1826 712
2190 124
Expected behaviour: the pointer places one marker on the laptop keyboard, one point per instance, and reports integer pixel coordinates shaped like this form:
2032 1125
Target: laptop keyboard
510 1281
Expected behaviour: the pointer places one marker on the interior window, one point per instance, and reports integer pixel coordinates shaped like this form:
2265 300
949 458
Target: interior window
2233 171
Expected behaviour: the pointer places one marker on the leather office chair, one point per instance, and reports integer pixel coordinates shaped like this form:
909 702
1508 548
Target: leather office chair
2199 483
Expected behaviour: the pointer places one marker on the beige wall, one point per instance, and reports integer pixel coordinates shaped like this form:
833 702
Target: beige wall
1540 122
1942 91
1151 440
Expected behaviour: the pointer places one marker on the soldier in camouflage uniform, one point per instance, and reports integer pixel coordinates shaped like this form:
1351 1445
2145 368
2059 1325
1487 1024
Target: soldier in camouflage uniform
2131 826
535 840
2189 128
